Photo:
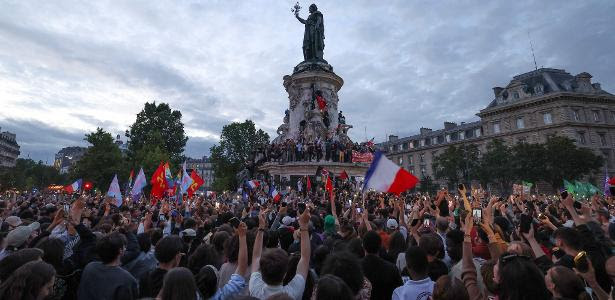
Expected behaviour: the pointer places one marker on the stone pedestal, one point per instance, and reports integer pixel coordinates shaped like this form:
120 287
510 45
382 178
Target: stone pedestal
304 120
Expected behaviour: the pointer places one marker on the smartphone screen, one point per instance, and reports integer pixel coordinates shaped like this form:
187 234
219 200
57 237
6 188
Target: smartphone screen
359 210
477 215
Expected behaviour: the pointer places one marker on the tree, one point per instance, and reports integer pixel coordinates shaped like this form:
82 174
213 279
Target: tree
157 126
529 162
427 186
237 142
564 160
456 164
101 161
28 174
496 165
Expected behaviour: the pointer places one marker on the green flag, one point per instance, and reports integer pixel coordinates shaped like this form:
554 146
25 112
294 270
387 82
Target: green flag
569 186
591 190
580 190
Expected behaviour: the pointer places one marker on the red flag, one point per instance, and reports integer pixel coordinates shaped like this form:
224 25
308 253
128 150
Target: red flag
309 184
344 175
329 187
197 181
322 103
612 181
159 183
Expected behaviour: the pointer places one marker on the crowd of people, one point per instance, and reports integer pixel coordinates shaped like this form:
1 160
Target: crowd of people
331 149
461 245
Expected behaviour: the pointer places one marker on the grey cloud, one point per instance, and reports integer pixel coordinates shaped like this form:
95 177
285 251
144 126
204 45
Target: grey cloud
405 64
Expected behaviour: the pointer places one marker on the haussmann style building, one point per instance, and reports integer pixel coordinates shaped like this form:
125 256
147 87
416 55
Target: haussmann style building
531 108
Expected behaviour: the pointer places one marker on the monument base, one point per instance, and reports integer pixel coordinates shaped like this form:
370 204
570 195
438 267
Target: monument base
290 171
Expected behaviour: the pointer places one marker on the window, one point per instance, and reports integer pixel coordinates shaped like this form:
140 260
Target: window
427 141
422 157
596 116
411 169
434 140
404 146
440 139
581 137
422 143
423 171
411 144
448 138
520 123
469 133
546 117
496 127
613 115
602 139
415 144
522 140
462 135
516 95
391 148
477 132
410 162
401 160
575 115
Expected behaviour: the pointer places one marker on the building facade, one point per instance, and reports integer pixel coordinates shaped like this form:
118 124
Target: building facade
204 168
531 108
9 149
68 157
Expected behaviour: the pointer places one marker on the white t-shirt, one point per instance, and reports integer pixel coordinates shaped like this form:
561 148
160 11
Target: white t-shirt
261 290
414 290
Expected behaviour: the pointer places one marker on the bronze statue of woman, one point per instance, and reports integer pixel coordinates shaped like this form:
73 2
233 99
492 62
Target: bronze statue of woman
314 36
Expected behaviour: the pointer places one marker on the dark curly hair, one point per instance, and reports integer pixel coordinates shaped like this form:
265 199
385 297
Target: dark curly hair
28 281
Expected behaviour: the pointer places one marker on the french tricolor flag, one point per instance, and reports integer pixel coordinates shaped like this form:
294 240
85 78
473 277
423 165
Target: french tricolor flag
73 187
274 194
252 184
385 176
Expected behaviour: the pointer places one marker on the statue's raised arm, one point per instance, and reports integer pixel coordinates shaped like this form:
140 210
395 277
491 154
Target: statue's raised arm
314 35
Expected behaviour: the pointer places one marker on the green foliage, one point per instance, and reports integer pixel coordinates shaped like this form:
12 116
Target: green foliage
101 161
156 127
237 142
565 160
557 159
427 186
456 164
496 165
28 174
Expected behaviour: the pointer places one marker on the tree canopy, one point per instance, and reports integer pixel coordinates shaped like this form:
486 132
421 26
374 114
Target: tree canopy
28 174
502 165
101 161
238 142
159 129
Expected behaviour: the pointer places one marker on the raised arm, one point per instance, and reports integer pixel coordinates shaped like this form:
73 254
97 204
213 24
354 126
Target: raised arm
242 259
299 18
304 262
258 242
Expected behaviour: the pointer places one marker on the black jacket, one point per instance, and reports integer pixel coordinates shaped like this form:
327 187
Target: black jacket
383 276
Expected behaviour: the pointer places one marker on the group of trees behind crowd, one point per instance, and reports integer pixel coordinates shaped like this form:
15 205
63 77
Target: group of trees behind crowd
502 165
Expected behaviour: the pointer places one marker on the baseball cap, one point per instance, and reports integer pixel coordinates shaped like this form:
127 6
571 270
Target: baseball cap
188 232
392 224
13 221
287 220
18 236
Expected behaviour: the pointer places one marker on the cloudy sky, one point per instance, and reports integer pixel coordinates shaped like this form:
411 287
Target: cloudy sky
68 67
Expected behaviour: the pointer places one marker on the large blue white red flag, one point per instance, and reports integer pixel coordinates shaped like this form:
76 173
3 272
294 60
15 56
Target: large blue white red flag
252 184
274 194
74 187
385 176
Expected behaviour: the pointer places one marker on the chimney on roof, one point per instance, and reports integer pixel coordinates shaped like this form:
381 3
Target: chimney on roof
449 125
424 130
584 77
497 90
393 138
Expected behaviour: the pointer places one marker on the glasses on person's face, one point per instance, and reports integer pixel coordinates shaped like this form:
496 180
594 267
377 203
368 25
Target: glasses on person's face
510 257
